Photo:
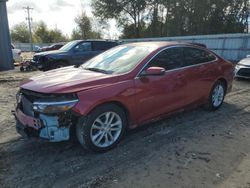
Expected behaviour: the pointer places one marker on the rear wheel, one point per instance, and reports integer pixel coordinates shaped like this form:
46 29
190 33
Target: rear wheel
217 96
102 129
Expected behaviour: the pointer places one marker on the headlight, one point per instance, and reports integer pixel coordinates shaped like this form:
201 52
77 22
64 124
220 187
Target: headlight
45 58
18 97
239 66
53 107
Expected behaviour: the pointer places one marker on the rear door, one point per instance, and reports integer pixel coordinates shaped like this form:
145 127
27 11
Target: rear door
99 47
200 71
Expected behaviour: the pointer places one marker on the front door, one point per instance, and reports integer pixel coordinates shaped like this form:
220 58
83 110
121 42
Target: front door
82 52
158 95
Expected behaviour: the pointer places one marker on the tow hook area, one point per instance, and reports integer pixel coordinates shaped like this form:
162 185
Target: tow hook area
52 131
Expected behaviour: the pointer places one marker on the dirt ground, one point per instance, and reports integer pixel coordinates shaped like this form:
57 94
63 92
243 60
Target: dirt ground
189 150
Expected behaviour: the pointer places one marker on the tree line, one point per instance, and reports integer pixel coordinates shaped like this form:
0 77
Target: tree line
150 18
42 34
158 18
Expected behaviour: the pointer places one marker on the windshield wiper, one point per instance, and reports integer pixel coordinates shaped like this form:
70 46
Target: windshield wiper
98 70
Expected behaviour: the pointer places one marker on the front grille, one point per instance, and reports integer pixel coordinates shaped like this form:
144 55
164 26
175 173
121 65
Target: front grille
33 96
27 106
244 72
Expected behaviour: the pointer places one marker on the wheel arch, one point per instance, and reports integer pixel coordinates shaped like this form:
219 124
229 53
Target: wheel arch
120 105
224 81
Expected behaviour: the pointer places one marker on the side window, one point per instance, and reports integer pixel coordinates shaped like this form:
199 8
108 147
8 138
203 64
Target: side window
194 56
210 57
111 45
100 46
168 59
57 46
83 47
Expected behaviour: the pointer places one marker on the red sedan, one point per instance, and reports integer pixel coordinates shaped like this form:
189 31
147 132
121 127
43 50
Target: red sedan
124 87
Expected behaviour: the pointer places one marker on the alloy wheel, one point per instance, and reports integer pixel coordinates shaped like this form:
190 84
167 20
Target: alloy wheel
218 95
106 129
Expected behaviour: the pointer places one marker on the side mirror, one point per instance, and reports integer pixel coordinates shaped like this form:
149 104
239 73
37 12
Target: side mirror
153 71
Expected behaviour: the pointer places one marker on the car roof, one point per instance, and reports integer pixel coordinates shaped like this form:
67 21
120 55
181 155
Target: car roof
160 44
96 40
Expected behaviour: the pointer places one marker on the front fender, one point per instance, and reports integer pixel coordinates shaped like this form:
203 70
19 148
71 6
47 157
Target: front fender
121 92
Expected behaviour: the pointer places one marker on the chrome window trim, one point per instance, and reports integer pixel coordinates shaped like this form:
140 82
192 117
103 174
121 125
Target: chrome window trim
177 69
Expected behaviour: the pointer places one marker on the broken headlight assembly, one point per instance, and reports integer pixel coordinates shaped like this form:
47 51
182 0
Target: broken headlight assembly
54 107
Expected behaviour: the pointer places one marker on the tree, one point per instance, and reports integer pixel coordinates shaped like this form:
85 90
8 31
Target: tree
84 28
42 33
45 35
126 12
76 35
20 33
194 17
154 18
57 36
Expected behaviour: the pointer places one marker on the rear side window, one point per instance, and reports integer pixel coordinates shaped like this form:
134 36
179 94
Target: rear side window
194 56
102 46
168 59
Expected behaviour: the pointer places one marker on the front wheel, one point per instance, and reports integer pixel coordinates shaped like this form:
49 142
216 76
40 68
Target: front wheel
60 65
217 96
102 129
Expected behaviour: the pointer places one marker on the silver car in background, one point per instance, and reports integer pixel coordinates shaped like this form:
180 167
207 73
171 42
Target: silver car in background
17 58
242 69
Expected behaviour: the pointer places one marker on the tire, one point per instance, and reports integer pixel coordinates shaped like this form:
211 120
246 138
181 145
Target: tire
21 69
28 68
94 131
217 95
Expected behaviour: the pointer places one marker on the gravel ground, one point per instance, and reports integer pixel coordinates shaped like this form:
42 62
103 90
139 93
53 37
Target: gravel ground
193 149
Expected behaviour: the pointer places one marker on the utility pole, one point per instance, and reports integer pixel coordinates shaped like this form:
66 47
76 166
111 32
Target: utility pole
29 19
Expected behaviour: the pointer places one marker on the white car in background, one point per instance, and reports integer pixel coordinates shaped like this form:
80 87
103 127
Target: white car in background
16 54
242 69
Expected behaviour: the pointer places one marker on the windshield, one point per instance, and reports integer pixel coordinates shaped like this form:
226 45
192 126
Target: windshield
118 60
68 46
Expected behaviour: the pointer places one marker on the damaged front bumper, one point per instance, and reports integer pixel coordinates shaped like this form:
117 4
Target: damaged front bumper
46 120
45 127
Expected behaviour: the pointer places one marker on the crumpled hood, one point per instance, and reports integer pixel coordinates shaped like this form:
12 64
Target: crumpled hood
54 52
67 80
245 61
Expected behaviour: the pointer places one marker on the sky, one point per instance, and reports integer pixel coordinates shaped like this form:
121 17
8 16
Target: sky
55 13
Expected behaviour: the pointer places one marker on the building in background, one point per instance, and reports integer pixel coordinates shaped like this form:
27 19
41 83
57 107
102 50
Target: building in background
6 60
